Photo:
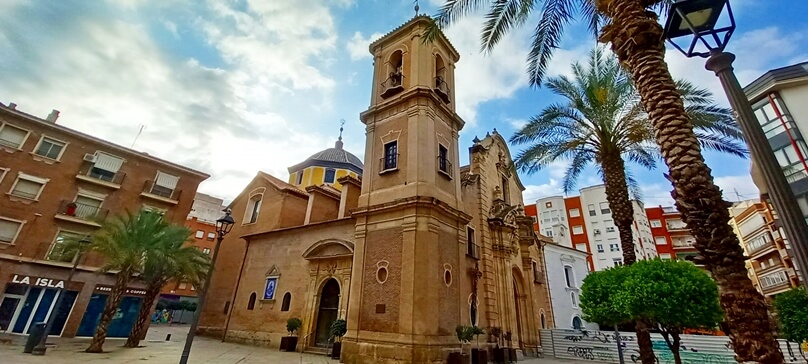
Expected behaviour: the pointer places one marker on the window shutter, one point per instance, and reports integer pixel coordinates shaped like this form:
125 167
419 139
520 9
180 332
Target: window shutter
13 135
166 180
8 230
108 162
28 187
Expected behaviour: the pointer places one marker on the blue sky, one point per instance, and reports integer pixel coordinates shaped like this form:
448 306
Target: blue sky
235 86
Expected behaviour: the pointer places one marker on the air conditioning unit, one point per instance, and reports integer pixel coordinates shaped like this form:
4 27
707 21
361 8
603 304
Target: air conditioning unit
89 158
597 231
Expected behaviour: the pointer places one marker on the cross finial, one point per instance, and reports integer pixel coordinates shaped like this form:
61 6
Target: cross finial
416 7
338 145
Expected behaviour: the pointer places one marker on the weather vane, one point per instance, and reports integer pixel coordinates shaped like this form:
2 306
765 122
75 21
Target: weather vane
416 7
341 123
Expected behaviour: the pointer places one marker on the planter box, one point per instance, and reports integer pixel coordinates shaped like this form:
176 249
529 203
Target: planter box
499 355
288 343
458 358
336 350
479 356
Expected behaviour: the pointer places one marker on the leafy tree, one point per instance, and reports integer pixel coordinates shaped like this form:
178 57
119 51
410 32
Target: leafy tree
293 324
339 328
599 299
673 296
792 313
464 334
167 258
632 29
122 241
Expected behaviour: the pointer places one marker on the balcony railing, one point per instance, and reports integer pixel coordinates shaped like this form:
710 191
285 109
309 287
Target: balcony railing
89 170
676 225
151 188
683 243
9 144
442 89
388 163
82 211
445 166
392 85
25 195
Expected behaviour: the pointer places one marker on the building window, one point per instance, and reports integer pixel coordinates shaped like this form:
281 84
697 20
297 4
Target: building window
543 320
660 240
300 177
3 172
206 251
536 272
614 247
330 175
211 236
88 207
577 324
443 161
50 148
12 136
575 212
569 276
580 247
254 208
251 302
505 190
106 167
164 185
390 156
9 230
617 262
287 301
610 229
574 299
60 249
600 248
591 208
548 233
28 187
656 223
604 208
200 234
577 230
472 249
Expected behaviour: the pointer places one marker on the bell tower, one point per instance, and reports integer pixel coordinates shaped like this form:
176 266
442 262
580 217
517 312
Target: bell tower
405 300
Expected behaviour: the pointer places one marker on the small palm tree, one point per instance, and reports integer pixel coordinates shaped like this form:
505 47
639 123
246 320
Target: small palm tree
167 258
123 242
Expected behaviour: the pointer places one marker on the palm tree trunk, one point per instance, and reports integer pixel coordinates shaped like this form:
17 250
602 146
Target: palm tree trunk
113 301
139 330
614 176
637 40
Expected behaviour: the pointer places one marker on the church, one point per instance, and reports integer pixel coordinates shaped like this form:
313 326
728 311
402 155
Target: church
405 246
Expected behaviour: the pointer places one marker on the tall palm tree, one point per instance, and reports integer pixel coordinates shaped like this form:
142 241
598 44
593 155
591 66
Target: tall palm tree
636 37
167 258
122 242
602 122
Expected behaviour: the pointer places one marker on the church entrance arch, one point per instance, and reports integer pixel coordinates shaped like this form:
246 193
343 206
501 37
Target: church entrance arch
327 312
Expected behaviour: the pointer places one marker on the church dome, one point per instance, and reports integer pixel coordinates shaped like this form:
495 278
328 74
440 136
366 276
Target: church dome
332 157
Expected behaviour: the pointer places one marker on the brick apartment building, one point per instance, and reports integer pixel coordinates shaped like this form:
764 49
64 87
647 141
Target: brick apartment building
56 183
671 236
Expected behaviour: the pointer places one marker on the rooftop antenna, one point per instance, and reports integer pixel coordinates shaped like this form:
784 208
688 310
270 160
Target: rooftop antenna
737 195
137 136
416 7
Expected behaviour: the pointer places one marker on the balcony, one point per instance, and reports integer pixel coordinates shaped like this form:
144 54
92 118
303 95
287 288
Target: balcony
442 89
683 242
89 173
444 166
81 213
675 225
388 163
159 193
760 246
392 85
772 282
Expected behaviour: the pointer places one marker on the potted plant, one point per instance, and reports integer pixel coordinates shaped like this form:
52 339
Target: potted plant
464 335
478 356
498 353
511 351
338 329
289 343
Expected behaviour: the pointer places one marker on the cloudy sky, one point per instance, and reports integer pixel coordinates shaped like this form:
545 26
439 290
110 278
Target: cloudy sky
230 87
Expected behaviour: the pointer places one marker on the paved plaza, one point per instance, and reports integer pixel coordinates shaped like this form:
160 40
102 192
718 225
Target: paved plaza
156 350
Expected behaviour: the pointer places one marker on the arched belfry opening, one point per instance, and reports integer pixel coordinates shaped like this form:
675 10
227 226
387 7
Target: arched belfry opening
441 85
395 71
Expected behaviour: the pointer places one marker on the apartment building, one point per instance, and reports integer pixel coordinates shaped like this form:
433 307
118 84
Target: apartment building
57 183
770 265
671 236
561 220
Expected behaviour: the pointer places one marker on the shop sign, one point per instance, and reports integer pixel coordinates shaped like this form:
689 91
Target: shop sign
130 291
37 281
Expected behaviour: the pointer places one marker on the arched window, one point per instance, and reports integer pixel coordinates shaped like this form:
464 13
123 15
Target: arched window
574 299
543 321
441 83
287 300
396 68
253 206
577 324
569 276
251 303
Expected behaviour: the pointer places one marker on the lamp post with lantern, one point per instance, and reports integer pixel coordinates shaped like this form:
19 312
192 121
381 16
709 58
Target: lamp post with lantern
223 227
698 20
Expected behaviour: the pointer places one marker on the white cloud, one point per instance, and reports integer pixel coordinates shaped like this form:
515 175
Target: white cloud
516 123
535 192
737 188
358 45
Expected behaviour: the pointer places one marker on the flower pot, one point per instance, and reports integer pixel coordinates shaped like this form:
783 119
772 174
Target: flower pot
479 356
512 355
336 350
288 343
458 358
499 355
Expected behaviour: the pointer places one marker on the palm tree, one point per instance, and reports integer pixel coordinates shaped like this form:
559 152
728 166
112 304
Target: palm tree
167 258
636 37
602 122
122 242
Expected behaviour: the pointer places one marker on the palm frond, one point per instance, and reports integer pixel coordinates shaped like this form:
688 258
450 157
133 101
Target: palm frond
633 186
723 144
546 37
502 17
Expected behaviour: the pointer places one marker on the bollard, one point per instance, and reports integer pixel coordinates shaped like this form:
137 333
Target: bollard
168 337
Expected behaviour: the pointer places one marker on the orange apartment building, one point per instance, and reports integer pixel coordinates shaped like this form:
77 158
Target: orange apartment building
671 236
562 221
57 183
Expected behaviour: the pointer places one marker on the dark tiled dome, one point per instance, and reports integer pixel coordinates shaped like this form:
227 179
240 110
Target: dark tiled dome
332 157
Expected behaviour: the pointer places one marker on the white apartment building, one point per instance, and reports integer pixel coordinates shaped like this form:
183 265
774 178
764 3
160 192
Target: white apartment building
553 222
604 239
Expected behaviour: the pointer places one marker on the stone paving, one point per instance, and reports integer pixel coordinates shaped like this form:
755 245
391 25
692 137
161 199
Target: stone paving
158 351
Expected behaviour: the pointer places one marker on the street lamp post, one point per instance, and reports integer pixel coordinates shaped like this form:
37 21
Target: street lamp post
223 227
698 19
40 348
